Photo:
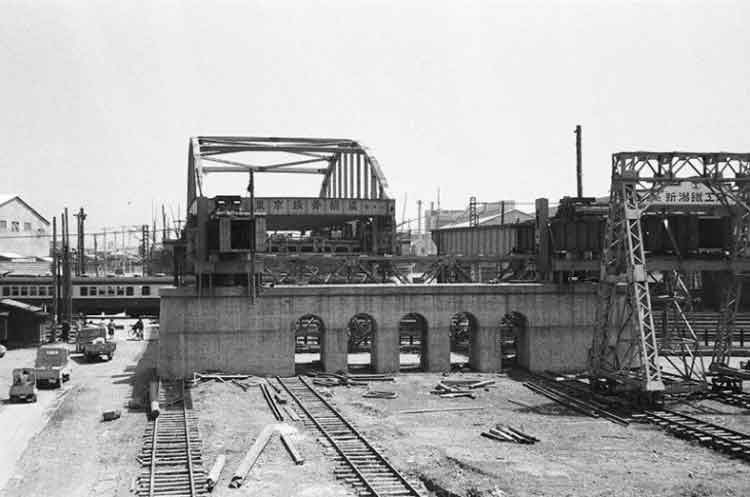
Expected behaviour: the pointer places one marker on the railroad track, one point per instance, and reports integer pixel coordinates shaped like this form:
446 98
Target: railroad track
733 399
171 453
714 436
359 464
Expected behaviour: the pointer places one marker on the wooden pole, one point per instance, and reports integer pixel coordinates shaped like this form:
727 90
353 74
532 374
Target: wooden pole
55 275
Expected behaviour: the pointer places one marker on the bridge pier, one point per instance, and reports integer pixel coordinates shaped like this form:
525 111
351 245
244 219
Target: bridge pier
224 331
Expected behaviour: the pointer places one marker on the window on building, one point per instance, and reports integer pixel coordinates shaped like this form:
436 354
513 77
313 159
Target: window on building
92 291
24 291
50 291
120 290
14 226
42 291
40 232
3 225
6 291
14 291
32 291
102 291
110 290
84 291
145 290
27 226
129 291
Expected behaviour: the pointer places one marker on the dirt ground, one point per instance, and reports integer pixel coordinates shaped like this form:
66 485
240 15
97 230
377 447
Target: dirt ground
577 456
74 453
71 452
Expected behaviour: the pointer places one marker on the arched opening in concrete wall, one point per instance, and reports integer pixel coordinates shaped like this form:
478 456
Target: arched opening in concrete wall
412 332
512 325
463 329
362 329
309 334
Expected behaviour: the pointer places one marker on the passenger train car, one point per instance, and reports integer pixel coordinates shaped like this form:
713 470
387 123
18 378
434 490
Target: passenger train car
132 295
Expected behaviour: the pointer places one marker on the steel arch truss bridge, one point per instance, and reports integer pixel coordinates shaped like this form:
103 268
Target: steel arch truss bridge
626 353
352 213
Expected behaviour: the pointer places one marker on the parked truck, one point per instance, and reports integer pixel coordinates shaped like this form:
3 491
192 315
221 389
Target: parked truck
23 387
52 365
93 343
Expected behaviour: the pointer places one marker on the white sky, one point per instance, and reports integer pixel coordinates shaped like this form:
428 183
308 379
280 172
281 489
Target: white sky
98 99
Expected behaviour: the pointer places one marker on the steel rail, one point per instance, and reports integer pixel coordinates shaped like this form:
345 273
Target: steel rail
706 433
381 459
188 450
329 437
152 477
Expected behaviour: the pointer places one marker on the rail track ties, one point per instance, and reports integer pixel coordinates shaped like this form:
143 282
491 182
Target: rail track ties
716 437
171 453
741 399
359 464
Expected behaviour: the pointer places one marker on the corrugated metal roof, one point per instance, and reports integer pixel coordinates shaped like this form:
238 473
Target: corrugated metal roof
20 305
17 268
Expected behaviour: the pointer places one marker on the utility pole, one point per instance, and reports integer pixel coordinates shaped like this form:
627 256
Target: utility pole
96 258
80 248
67 279
55 277
251 190
419 217
163 224
579 163
104 249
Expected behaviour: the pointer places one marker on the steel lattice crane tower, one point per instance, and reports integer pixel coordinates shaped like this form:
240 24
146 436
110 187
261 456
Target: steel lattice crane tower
625 354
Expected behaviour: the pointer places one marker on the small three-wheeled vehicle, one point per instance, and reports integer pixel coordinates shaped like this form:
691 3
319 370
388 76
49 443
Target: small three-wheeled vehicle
24 385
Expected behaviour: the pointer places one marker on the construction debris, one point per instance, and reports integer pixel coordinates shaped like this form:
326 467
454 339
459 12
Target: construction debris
241 385
252 455
334 379
215 473
505 433
284 431
110 415
291 448
442 409
443 390
380 394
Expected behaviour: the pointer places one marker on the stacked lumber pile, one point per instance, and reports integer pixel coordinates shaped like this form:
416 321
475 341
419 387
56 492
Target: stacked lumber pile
459 388
505 433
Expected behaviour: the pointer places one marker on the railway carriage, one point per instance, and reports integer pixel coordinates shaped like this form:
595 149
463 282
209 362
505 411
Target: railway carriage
133 295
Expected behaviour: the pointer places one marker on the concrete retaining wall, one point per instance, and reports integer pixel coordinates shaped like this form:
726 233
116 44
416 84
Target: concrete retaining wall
226 332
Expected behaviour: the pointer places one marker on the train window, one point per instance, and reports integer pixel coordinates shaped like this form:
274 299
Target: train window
110 290
92 291
84 291
102 290
129 291
6 291
14 291
32 291
50 291
42 291
145 290
24 291
120 290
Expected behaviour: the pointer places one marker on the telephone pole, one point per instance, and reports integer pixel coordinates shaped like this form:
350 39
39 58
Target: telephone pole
80 248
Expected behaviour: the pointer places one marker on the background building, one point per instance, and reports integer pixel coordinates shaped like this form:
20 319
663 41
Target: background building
23 231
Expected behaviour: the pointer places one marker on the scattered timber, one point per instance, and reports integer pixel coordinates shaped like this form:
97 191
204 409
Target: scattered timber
251 456
215 473
380 394
442 409
291 448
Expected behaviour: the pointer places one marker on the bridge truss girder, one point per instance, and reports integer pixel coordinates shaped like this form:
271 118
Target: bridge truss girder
625 350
